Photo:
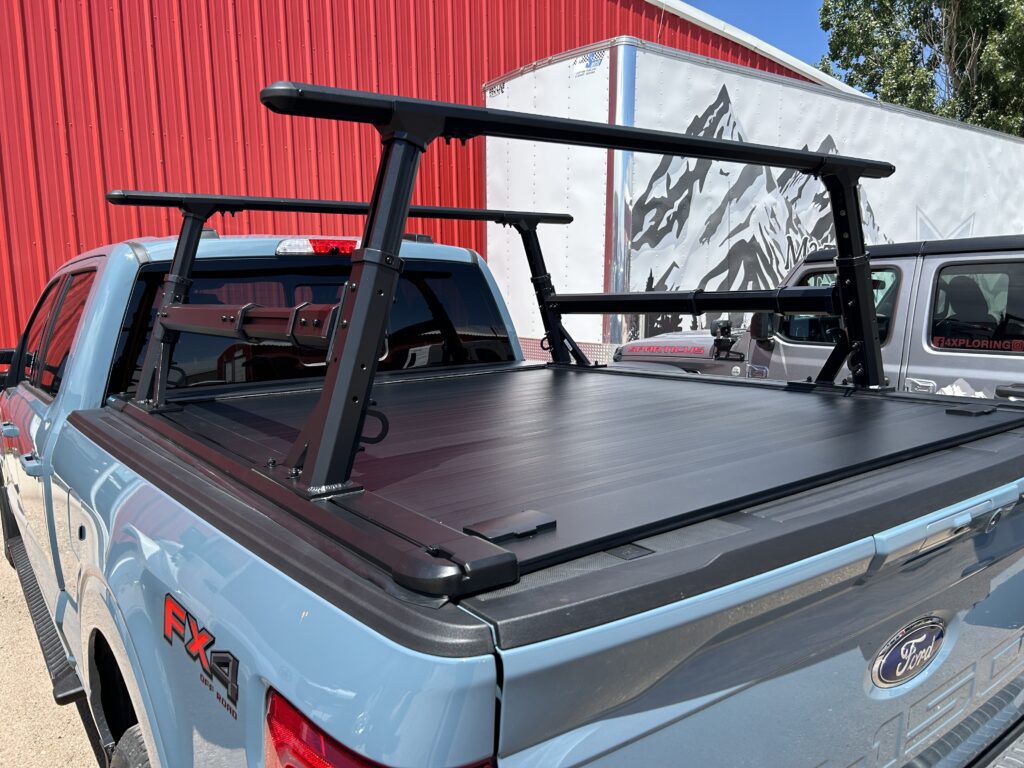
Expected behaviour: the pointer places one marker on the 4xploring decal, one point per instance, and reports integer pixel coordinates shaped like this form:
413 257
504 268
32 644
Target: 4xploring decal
198 641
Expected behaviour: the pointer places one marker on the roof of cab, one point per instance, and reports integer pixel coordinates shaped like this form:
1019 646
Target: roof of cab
918 248
235 246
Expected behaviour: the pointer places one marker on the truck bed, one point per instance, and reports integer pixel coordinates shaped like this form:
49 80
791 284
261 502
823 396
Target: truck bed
610 455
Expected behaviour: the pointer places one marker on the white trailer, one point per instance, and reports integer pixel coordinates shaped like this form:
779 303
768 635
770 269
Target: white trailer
663 223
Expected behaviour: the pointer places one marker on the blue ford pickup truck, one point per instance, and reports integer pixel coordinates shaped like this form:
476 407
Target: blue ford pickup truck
291 501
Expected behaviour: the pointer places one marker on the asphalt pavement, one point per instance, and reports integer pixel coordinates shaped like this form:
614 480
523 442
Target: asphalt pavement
34 731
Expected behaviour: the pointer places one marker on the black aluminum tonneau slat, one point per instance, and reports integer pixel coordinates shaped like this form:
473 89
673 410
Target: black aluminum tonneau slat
209 205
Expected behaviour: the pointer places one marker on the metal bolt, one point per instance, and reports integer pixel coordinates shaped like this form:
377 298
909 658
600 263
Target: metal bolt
224 318
272 462
294 472
316 323
344 323
302 321
352 286
851 303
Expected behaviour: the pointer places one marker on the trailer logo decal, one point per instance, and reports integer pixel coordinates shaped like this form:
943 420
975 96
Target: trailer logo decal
198 641
588 63
909 652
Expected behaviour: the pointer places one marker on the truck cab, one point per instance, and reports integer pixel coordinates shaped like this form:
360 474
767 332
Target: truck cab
949 319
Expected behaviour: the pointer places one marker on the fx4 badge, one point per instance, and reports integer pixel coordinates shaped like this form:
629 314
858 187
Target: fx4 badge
222 666
908 653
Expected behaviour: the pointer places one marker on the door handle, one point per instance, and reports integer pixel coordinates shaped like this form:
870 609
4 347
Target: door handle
933 531
1010 390
926 386
32 465
9 429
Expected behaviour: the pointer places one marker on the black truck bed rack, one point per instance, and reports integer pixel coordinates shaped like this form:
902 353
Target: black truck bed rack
315 470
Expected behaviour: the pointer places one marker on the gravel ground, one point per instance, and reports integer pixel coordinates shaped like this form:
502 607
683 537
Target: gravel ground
33 730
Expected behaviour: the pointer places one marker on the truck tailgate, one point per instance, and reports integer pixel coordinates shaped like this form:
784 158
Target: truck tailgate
783 662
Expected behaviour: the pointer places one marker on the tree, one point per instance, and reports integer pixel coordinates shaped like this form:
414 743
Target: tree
962 59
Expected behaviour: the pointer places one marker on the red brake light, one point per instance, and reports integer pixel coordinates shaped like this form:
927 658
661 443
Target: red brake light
291 740
323 245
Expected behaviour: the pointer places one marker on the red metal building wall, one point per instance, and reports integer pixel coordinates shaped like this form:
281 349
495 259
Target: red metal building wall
163 94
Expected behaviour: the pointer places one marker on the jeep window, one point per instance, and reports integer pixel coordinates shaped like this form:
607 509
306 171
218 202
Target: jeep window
444 314
825 329
979 308
65 325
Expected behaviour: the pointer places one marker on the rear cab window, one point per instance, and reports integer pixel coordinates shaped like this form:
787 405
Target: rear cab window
826 329
979 308
444 315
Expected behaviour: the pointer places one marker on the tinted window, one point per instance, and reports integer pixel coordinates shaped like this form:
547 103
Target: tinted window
35 332
979 308
69 315
444 314
826 329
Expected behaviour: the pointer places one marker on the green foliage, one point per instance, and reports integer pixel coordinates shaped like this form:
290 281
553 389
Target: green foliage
962 59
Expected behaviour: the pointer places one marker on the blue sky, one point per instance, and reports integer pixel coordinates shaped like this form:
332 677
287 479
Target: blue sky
791 25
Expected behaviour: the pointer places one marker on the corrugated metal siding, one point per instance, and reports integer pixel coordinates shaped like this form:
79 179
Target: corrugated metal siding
163 94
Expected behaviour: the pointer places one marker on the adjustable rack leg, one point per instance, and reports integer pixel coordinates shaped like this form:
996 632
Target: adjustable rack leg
327 446
152 386
853 277
561 344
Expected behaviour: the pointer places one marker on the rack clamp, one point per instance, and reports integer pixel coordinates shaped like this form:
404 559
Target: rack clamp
377 256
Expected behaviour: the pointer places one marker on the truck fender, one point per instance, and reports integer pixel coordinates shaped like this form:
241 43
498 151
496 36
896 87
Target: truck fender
101 617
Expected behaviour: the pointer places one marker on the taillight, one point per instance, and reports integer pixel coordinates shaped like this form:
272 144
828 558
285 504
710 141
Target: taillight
321 246
291 740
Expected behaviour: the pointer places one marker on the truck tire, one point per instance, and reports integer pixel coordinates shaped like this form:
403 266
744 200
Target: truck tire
130 751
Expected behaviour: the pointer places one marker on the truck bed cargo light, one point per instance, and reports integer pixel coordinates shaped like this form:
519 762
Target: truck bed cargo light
323 246
291 740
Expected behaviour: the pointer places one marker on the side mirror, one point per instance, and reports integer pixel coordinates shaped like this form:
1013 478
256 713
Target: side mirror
6 358
762 326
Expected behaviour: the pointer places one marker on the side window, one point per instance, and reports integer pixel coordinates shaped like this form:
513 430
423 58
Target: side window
979 308
35 333
825 329
65 325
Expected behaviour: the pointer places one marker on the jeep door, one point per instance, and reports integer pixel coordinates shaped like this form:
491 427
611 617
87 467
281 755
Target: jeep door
968 334
802 343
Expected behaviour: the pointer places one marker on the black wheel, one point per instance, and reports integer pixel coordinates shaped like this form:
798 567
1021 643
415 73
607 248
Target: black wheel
130 751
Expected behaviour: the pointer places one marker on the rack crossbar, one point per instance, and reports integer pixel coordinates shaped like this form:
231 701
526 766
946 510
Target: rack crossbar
208 205
796 300
462 122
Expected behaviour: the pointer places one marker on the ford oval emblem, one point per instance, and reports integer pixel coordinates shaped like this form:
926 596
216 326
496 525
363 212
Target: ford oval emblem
909 652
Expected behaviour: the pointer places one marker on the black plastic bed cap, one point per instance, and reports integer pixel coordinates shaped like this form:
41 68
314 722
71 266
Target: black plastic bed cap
426 120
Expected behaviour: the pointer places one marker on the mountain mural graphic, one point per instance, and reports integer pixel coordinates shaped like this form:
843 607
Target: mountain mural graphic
717 226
